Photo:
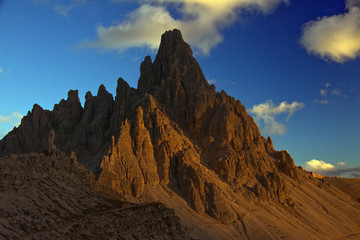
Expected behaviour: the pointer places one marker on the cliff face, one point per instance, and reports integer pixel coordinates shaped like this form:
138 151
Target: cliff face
174 137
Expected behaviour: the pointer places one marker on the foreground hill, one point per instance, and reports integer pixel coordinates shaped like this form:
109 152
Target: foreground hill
349 186
50 197
176 140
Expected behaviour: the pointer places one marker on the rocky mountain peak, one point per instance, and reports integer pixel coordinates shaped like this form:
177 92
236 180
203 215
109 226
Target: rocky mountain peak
176 80
175 57
173 50
171 132
73 96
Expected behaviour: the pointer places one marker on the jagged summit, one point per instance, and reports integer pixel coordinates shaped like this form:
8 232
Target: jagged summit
175 78
173 52
178 141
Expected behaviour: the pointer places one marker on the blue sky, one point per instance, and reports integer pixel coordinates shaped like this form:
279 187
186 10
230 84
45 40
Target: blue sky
294 64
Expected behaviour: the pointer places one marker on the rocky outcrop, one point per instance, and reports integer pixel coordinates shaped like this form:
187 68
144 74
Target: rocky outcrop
52 197
317 175
83 130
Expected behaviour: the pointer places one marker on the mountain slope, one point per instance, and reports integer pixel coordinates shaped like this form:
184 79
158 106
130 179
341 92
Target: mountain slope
50 197
350 186
178 141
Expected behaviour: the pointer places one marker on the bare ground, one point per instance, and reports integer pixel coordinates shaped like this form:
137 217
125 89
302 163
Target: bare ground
51 198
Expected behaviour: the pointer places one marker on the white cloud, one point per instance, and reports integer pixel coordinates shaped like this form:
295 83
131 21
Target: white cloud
336 92
322 102
212 81
324 91
63 9
341 164
327 169
13 118
352 3
319 166
200 22
266 112
336 37
136 32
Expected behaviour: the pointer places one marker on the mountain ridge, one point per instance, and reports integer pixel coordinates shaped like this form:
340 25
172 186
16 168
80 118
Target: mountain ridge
175 137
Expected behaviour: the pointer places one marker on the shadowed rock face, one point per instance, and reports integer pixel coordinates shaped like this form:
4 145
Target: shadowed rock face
174 133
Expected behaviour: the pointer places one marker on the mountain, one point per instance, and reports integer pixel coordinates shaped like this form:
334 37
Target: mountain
176 140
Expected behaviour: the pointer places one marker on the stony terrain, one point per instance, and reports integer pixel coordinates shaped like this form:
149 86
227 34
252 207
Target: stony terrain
176 140
349 186
50 197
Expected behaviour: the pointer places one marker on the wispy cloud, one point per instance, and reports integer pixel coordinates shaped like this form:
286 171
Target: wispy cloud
328 169
341 164
335 38
64 9
201 22
13 118
41 2
336 92
328 91
267 112
322 102
324 91
2 134
1 70
355 175
212 81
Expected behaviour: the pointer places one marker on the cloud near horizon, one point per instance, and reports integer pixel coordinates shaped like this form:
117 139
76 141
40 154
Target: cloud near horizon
341 164
327 169
2 134
13 119
335 38
212 81
319 166
200 21
266 112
